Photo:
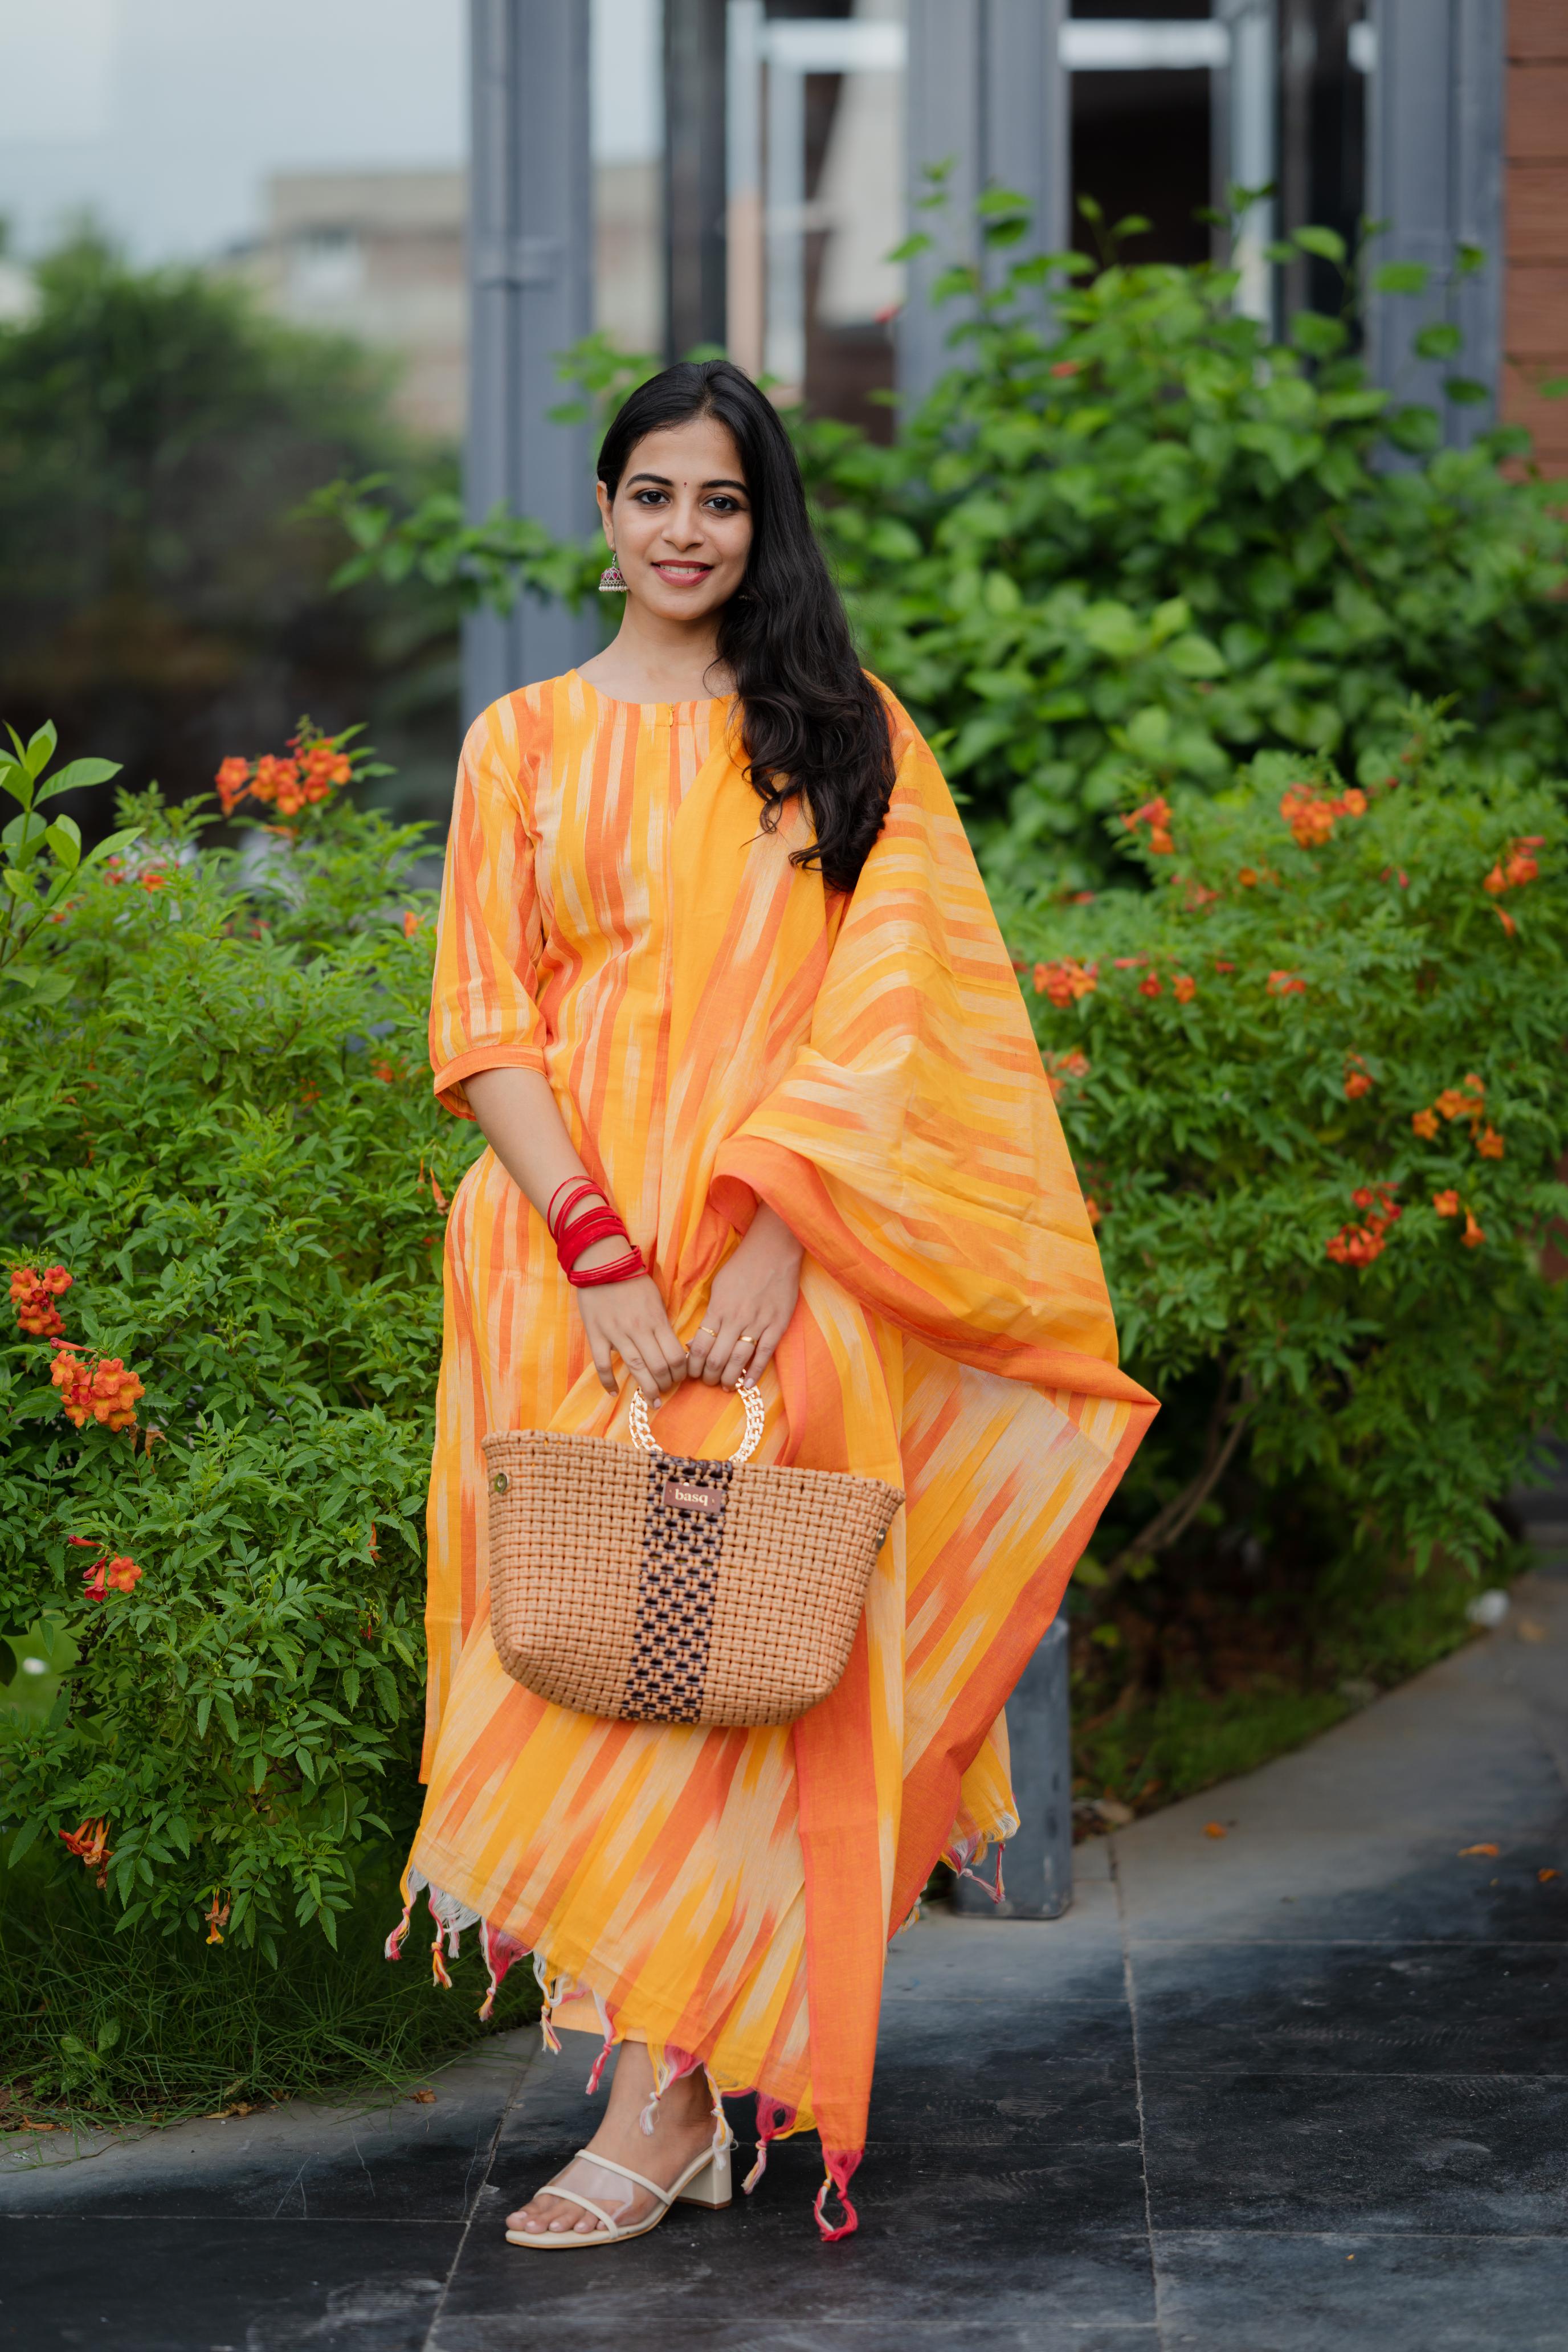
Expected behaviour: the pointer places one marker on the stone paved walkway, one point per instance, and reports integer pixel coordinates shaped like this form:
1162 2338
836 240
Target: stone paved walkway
1300 2089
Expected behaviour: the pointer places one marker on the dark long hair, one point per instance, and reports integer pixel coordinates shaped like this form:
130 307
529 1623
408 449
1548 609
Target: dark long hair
812 722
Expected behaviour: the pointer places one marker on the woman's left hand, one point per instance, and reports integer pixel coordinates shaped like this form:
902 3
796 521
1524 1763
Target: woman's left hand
749 1306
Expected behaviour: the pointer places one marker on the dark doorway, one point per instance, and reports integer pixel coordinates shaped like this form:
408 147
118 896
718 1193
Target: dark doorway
1141 145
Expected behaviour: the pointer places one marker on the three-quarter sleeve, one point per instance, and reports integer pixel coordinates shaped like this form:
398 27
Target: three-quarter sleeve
483 1013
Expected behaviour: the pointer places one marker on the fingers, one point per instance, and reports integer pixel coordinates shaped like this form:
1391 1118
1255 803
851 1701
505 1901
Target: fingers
762 1353
655 1371
718 1348
702 1344
735 1346
600 1346
628 1320
661 1351
740 1359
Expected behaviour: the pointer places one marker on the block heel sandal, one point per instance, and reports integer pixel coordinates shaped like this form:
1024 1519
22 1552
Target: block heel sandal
705 2181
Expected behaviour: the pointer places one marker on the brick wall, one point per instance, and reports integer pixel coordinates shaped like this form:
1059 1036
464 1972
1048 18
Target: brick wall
1535 199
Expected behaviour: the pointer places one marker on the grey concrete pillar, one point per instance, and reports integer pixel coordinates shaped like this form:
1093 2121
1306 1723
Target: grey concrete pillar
1435 111
530 253
988 93
1036 1864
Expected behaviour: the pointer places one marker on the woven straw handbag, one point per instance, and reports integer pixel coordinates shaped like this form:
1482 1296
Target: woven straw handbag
660 1589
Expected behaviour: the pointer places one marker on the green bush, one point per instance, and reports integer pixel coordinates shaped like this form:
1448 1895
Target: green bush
217 1120
1126 530
1312 1076
100 2023
158 431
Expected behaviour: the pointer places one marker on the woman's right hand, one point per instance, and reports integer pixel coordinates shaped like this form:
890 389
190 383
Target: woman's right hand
627 1319
523 1127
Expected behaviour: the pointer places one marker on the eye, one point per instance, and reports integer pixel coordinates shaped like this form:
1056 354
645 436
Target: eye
649 498
722 503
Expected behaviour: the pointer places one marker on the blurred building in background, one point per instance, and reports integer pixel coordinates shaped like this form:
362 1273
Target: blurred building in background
786 145
378 255
475 186
1535 211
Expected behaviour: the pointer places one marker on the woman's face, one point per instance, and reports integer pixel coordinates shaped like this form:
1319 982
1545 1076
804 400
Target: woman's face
680 521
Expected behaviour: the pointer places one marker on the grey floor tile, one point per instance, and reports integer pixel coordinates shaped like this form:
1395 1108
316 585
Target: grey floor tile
1259 2292
1419 2008
947 2251
222 2286
1476 2154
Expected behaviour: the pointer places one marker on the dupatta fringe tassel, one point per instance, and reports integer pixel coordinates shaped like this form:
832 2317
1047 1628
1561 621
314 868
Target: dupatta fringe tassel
501 1951
841 2164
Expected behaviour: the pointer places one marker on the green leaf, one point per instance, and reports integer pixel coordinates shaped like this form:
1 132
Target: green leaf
1415 428
1326 243
1467 391
40 750
1400 277
78 775
25 1837
64 838
112 846
1437 342
1320 338
37 1404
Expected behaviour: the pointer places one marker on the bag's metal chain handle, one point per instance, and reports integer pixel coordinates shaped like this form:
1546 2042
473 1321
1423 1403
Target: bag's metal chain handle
756 1414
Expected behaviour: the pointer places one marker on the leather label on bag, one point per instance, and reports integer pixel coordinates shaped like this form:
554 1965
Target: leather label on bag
680 1496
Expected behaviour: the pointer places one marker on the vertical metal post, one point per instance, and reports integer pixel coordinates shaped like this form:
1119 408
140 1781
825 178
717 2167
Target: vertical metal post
1038 1862
944 127
1245 140
694 77
783 341
745 275
1027 120
530 279
1434 172
988 93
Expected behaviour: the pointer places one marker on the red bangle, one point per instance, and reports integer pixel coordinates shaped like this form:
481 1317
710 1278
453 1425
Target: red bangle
579 1187
620 1269
583 1218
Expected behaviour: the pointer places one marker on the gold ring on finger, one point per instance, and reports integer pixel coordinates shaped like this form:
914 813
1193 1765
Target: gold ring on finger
747 1339
709 1328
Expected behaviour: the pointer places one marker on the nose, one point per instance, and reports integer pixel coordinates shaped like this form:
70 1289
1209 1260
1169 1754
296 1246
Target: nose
683 523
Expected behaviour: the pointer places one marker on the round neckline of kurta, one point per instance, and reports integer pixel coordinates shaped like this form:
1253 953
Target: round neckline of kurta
613 702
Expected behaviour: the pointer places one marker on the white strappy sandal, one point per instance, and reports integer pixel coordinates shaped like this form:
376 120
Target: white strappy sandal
705 2181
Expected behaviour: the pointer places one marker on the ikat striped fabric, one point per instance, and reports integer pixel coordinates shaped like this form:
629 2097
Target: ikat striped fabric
719 1030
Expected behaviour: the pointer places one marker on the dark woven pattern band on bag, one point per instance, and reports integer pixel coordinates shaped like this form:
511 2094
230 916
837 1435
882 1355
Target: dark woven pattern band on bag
660 1589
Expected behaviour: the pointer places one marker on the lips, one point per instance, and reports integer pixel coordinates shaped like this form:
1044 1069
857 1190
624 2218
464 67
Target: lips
683 575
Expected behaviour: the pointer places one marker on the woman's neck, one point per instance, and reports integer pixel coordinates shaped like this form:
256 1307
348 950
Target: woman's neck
653 660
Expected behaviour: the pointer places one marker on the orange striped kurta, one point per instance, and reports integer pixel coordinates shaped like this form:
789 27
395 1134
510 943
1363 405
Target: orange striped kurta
719 1029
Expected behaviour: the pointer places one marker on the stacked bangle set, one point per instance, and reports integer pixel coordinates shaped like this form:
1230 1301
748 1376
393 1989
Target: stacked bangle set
585 1217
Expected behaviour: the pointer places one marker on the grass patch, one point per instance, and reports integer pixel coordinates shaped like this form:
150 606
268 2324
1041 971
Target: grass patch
97 2028
1255 1690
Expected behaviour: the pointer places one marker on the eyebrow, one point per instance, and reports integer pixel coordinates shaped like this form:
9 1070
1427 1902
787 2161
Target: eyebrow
722 482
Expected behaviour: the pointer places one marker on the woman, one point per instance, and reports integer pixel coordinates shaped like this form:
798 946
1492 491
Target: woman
714 955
